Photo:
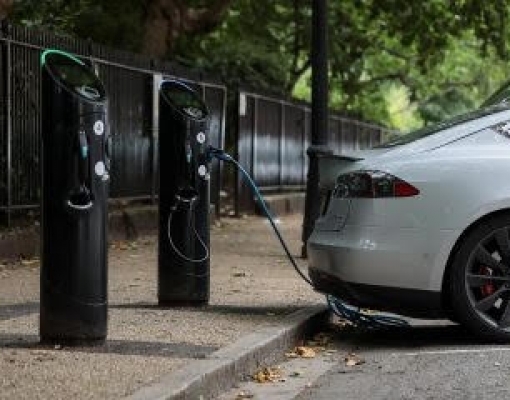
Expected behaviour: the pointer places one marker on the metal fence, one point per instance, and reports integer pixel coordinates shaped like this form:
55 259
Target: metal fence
131 82
272 138
272 134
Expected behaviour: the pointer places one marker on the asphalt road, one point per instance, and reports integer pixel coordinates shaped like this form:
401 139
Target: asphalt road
424 362
431 360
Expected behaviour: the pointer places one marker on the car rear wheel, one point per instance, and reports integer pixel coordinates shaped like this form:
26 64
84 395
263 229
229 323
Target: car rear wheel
480 280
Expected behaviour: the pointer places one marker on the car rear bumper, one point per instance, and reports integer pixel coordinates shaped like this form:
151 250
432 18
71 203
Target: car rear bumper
404 258
413 303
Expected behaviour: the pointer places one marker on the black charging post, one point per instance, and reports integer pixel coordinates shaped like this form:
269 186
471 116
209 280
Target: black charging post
74 202
183 259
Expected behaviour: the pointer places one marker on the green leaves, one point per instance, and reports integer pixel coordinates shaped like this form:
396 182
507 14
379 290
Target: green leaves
439 57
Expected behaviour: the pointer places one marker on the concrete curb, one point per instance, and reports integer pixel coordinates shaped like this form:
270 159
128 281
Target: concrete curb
209 377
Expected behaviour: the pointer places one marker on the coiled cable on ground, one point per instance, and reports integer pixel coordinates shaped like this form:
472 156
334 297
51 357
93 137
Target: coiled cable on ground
362 319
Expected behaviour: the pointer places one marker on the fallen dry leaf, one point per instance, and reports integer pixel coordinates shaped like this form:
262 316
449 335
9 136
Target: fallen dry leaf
268 374
305 352
352 359
244 395
301 351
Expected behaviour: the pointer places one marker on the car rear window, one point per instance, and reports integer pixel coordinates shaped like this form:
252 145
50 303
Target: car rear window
434 128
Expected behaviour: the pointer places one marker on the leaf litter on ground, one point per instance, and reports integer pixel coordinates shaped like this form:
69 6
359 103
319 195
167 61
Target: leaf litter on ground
268 375
310 349
353 359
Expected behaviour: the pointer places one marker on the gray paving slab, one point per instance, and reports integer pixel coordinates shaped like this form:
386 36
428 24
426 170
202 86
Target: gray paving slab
253 288
218 372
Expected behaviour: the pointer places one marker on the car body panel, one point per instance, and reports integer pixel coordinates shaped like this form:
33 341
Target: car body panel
462 175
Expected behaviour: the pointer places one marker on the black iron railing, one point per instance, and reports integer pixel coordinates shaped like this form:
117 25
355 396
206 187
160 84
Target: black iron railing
271 134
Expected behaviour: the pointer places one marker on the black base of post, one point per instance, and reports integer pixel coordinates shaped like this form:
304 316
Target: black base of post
183 283
63 321
171 303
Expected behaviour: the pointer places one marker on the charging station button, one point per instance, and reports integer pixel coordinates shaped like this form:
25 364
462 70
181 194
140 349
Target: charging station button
201 137
99 168
99 127
202 170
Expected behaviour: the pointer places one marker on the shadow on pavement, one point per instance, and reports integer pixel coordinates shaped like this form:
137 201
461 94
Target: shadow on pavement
410 338
215 308
9 311
120 347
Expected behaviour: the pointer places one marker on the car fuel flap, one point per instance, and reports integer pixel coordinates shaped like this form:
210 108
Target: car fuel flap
335 217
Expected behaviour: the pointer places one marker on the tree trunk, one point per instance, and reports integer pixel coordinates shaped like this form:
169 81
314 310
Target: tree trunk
166 20
5 8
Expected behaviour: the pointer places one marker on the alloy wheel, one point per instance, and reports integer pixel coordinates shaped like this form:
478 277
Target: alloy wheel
487 279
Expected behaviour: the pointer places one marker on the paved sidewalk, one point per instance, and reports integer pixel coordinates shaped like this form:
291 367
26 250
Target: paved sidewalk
253 287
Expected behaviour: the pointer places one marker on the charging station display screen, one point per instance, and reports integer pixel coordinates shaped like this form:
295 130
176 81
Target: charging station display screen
184 99
74 76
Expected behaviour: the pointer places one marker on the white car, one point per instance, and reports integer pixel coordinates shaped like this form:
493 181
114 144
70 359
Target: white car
420 226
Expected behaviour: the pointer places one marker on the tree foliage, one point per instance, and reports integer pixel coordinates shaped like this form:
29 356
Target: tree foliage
441 55
374 46
167 20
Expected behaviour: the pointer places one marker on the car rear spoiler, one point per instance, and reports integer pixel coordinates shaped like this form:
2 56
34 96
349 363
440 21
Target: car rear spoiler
331 165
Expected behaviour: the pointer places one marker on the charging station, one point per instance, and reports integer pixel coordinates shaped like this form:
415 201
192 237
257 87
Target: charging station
74 201
183 257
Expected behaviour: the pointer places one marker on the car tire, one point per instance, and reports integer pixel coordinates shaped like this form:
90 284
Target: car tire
480 280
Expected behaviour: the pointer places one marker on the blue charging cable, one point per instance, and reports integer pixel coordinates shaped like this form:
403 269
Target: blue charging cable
338 307
221 155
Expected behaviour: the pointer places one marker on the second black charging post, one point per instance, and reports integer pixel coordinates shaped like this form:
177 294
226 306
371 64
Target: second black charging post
183 243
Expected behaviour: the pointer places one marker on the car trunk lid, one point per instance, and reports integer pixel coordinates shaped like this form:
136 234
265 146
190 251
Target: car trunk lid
335 210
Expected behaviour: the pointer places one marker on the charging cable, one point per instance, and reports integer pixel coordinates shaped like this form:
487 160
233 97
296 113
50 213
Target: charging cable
221 155
338 307
363 319
190 204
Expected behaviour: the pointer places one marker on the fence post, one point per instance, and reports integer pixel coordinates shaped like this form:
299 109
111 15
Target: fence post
281 145
254 140
156 81
222 145
237 122
304 142
7 80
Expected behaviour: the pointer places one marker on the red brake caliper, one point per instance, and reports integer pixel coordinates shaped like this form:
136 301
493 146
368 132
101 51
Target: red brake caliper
488 288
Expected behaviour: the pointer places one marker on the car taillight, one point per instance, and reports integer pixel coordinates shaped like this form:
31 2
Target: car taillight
372 184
